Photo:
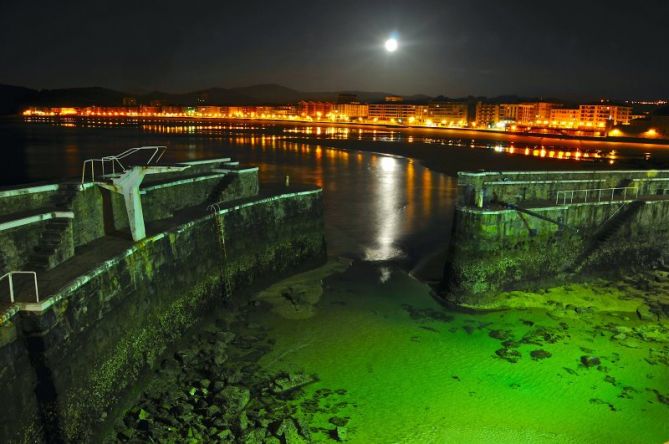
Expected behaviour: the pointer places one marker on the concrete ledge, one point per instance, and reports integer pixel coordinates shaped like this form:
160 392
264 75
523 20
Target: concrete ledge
536 173
177 182
535 182
8 225
235 170
205 161
29 190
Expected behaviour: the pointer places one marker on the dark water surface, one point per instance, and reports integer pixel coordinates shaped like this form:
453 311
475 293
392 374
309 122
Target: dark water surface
392 363
378 207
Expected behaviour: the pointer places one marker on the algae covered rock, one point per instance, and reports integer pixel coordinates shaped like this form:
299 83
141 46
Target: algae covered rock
509 354
538 355
287 382
645 314
236 398
590 361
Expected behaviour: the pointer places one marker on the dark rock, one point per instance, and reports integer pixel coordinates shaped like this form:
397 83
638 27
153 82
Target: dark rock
601 402
499 334
218 386
340 434
236 398
289 382
664 399
645 314
225 337
125 434
339 422
224 435
220 357
288 431
213 410
255 436
509 355
590 361
234 377
540 354
570 371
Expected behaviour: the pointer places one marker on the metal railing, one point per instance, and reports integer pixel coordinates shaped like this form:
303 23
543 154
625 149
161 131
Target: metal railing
112 162
595 195
10 278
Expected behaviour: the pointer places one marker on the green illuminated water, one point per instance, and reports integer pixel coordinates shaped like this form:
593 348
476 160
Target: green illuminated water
416 373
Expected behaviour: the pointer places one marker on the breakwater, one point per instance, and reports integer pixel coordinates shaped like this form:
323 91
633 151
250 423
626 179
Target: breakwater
108 305
515 230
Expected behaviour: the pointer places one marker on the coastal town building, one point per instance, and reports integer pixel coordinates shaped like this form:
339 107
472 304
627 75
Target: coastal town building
604 114
314 109
593 120
393 111
487 114
352 110
448 113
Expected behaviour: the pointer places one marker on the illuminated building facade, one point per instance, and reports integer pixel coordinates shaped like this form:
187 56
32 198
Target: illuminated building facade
314 109
526 113
607 115
448 113
564 117
392 111
352 110
487 114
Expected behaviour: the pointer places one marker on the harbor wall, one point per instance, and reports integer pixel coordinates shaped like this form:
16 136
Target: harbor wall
94 211
495 248
75 357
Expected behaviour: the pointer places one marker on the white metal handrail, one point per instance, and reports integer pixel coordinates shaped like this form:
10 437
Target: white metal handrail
10 278
114 161
594 194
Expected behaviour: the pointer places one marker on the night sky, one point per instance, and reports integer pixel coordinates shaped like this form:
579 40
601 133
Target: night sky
567 49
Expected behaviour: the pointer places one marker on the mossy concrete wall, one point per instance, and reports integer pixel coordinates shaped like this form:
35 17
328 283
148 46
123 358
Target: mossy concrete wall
17 200
98 211
163 199
479 189
100 332
495 250
16 245
20 420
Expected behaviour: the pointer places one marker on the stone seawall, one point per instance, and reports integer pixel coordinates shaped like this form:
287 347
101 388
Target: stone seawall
72 361
508 238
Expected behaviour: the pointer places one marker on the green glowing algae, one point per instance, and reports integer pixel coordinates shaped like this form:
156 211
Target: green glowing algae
416 373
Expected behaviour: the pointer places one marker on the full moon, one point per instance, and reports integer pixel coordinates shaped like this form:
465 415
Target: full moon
391 45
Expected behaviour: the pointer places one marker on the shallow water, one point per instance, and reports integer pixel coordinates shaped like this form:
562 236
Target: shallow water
417 373
412 371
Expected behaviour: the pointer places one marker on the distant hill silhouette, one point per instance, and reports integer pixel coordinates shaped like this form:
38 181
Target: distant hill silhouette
15 98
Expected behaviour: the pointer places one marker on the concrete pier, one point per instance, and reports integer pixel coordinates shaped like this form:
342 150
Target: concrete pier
516 230
109 305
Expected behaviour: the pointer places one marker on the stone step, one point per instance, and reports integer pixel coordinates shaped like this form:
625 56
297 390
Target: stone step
45 249
36 266
51 237
41 256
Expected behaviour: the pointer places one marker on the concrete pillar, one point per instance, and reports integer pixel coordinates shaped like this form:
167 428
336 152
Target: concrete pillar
128 184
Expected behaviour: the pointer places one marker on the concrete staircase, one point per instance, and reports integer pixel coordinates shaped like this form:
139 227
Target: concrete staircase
611 226
55 244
